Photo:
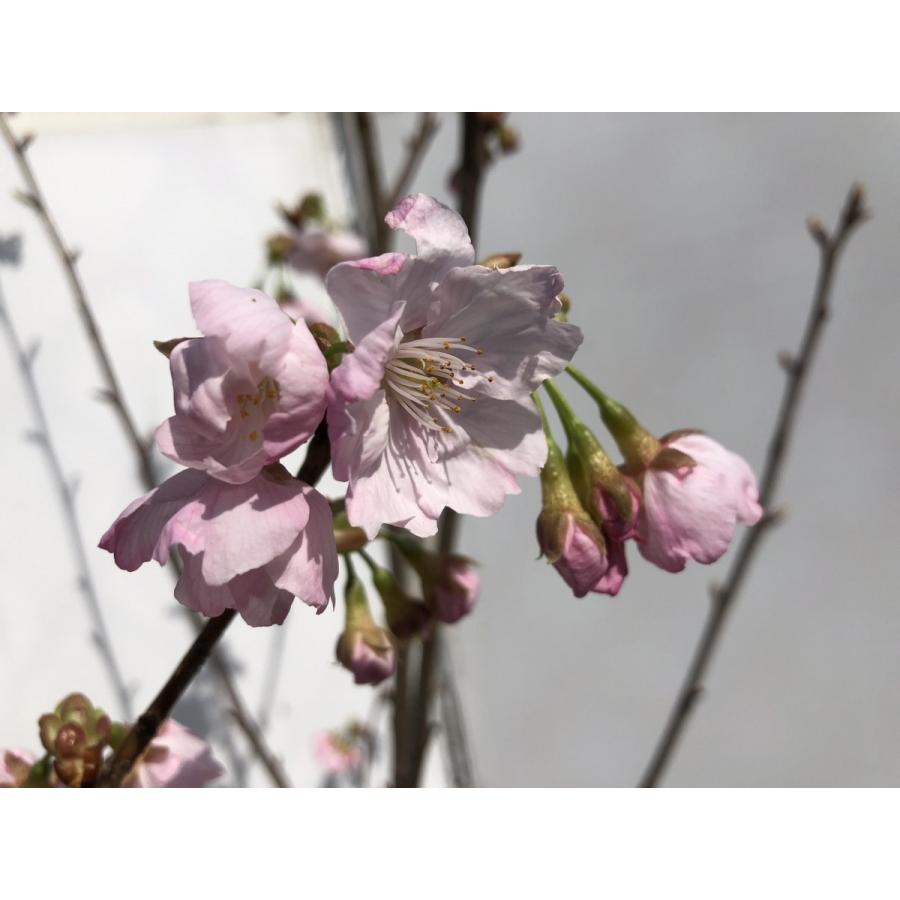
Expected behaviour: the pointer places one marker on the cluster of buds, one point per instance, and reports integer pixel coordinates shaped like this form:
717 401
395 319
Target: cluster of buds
449 584
679 497
78 739
342 753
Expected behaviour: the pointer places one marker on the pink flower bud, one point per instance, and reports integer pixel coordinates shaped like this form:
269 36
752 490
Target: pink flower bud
575 546
363 648
455 588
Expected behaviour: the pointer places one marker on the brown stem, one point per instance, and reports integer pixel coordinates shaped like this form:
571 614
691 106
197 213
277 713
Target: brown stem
144 730
34 198
372 171
723 598
416 147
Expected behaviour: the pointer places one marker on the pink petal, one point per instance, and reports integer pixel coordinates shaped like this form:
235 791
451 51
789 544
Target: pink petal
508 314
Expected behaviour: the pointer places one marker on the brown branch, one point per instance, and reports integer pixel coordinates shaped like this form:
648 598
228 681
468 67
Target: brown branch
375 191
34 198
723 598
144 730
416 148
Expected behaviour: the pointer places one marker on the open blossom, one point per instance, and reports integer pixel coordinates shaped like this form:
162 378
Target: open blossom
690 511
433 407
247 393
175 758
252 547
14 767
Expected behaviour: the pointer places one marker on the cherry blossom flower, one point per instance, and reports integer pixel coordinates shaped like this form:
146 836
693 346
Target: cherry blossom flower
175 758
14 767
433 407
247 393
690 511
252 547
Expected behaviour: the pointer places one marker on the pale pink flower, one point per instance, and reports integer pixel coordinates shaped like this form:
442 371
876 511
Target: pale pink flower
691 512
14 767
316 249
433 409
249 392
252 547
455 588
175 758
336 754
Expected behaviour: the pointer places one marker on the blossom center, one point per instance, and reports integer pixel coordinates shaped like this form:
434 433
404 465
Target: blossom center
425 377
255 408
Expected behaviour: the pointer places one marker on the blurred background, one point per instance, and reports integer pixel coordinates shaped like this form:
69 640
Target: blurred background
683 245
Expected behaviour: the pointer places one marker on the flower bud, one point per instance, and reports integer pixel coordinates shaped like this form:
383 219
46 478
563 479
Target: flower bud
406 617
567 535
75 735
363 648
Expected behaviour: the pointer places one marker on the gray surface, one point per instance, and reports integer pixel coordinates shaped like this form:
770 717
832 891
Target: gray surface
682 242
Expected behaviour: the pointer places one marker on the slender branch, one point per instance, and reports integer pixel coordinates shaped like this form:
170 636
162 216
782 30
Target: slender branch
797 369
25 362
460 756
144 730
34 198
469 179
416 148
376 195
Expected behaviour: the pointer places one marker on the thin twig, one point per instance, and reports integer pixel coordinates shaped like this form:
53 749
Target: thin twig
797 369
41 434
34 198
416 148
144 730
376 196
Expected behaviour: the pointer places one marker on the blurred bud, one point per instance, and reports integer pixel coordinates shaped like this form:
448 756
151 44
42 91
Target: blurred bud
363 648
491 120
508 139
454 587
406 617
278 249
349 539
75 735
15 768
566 305
175 758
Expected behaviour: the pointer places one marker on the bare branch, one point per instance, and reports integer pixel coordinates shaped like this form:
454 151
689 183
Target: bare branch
797 372
416 148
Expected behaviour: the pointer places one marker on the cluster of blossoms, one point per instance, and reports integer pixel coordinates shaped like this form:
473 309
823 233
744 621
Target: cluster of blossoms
343 755
78 737
427 392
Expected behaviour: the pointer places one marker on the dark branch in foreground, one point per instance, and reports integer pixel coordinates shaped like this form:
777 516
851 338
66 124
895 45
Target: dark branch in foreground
797 369
34 199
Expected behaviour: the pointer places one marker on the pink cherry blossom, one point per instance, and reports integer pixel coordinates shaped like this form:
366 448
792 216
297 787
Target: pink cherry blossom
433 408
616 531
336 754
455 589
252 547
316 249
175 758
247 393
691 512
14 767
